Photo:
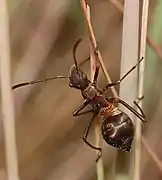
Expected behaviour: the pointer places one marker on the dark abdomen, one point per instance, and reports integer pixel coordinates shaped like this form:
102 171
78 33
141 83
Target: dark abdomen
118 131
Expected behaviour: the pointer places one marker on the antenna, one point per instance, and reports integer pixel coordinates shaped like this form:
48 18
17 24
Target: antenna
37 81
74 52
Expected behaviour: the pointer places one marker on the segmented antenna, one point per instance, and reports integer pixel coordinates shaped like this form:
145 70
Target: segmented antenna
37 81
74 52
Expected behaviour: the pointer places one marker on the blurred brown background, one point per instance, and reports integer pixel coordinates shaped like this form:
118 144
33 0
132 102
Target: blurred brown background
43 33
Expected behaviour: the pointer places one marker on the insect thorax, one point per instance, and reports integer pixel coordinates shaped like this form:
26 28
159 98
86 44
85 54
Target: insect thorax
90 92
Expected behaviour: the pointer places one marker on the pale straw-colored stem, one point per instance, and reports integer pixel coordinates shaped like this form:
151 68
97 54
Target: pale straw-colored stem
98 57
93 42
6 95
92 37
99 164
158 51
137 164
150 42
129 57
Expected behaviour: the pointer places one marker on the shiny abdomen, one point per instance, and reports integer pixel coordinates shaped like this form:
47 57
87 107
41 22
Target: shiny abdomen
118 131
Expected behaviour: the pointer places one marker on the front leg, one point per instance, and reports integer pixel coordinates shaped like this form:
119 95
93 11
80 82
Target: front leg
81 107
86 132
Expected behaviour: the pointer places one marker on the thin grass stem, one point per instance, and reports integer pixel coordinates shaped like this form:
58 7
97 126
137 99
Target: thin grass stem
6 95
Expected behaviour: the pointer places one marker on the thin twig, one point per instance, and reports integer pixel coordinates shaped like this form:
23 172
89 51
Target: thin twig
94 43
98 56
100 169
150 42
7 99
138 136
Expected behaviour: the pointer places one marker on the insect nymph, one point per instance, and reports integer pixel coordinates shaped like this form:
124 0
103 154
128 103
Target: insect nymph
116 126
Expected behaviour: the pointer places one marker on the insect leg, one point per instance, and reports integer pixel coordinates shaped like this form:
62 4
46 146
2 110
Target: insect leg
141 116
136 103
84 61
82 106
96 74
86 135
97 66
88 58
124 76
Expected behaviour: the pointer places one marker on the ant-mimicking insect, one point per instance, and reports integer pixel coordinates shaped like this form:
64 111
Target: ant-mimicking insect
116 126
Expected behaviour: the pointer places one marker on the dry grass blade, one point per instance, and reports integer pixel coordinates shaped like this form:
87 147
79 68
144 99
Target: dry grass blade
7 99
129 57
98 57
140 89
92 37
150 42
93 42
100 171
158 52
